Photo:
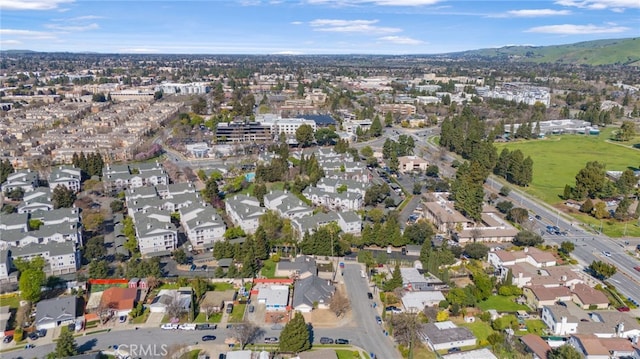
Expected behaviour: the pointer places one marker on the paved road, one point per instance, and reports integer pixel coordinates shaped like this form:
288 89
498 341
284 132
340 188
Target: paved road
589 246
368 335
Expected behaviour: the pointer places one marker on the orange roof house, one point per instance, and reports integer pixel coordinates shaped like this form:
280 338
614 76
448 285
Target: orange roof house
120 300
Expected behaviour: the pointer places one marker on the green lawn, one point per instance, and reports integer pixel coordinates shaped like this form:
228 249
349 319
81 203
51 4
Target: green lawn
535 326
347 354
222 286
268 269
141 319
12 300
213 318
191 355
479 328
502 304
237 314
557 160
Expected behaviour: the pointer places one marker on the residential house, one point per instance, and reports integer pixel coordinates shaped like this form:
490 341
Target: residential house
559 320
349 222
415 302
412 163
312 292
183 296
156 235
446 335
14 222
539 296
274 297
66 176
60 257
244 211
413 280
339 201
5 265
27 180
36 200
119 301
589 298
300 267
51 313
592 347
215 301
491 229
534 256
286 204
535 345
444 217
202 225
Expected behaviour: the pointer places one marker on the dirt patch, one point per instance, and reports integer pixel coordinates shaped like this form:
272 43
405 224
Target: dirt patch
276 318
325 318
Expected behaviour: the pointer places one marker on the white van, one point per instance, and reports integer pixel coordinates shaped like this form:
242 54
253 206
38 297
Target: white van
363 274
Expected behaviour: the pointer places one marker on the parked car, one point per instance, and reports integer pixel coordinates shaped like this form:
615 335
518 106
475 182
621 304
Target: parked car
122 319
229 308
453 350
206 326
33 336
325 340
378 319
7 339
623 309
169 326
208 337
369 295
251 309
342 341
187 326
393 309
271 340
29 346
42 333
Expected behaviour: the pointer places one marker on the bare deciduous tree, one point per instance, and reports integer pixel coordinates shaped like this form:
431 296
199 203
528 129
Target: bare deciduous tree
174 309
208 309
406 329
339 304
245 332
152 283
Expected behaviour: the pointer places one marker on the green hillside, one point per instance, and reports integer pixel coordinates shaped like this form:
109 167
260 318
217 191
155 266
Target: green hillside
598 52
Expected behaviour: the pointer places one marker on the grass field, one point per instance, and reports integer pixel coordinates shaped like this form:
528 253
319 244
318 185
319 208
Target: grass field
501 303
268 269
479 328
557 160
12 300
536 326
237 314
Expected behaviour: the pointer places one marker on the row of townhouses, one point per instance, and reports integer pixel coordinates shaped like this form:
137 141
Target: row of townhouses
29 181
57 240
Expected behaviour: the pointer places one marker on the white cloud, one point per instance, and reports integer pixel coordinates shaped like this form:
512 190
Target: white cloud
296 22
10 42
401 40
32 4
374 2
26 34
74 28
613 5
287 52
352 26
569 29
535 13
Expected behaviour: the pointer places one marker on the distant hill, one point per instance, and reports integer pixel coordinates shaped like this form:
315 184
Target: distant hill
597 52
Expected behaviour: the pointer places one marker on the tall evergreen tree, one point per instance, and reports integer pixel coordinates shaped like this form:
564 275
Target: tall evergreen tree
66 345
395 281
376 127
295 335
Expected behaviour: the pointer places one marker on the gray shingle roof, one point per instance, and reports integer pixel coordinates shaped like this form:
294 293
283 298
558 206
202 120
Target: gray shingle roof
54 249
56 310
449 333
310 290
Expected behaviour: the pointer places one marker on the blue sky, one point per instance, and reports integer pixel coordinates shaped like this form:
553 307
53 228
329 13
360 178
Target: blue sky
308 26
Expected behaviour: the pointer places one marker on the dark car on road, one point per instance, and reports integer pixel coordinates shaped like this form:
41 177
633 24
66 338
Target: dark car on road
378 319
369 295
271 340
342 341
33 336
325 340
7 339
453 350
206 338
